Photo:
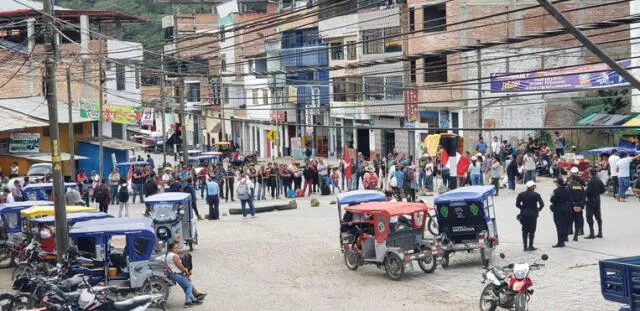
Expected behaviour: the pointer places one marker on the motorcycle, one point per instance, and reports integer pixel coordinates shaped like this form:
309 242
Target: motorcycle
508 287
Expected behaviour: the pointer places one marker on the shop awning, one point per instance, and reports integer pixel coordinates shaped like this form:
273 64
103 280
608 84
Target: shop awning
633 122
117 144
602 119
43 157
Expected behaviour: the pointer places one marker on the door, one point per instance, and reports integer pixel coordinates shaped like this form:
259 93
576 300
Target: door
388 142
363 142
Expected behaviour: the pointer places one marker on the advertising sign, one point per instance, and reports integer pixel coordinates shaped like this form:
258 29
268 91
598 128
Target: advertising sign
575 78
122 115
24 142
411 109
147 117
296 148
89 110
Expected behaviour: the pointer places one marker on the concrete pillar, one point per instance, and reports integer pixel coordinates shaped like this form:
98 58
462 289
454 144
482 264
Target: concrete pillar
84 36
635 53
34 84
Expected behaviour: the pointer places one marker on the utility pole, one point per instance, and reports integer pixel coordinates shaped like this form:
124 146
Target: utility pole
62 235
70 129
164 129
101 102
479 63
183 133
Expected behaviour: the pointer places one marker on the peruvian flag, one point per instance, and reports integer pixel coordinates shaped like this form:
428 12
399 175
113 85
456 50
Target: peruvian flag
449 146
347 162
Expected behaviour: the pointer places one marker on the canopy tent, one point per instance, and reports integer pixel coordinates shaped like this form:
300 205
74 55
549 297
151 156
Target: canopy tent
635 121
601 119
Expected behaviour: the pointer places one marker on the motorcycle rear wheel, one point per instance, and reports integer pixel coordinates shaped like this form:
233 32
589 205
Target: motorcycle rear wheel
24 301
6 257
155 285
23 270
486 304
432 225
351 259
521 302
6 301
394 266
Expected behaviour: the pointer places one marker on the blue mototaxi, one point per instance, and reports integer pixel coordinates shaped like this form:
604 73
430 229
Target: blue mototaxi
140 273
10 214
353 198
72 218
42 191
205 159
466 221
173 218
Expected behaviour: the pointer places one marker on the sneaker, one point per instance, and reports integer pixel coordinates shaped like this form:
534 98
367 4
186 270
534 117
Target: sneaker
197 302
201 296
188 304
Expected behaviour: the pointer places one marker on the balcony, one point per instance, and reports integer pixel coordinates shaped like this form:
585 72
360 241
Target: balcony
312 56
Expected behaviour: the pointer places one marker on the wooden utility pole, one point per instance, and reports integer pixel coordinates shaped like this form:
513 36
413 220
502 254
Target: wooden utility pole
183 136
70 129
62 235
101 102
164 112
479 68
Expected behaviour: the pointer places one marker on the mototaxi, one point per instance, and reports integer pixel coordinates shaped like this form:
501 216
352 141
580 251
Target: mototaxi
172 218
347 229
42 191
387 247
15 241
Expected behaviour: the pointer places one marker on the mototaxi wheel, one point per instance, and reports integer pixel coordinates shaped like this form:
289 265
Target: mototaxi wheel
432 225
488 298
351 259
445 260
24 301
6 257
521 302
428 264
394 266
156 285
23 270
6 301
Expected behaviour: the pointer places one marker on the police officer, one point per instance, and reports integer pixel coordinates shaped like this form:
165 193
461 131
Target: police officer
578 201
595 188
530 204
560 200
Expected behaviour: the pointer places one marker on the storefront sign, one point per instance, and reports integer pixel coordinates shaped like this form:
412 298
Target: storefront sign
89 110
411 109
582 77
277 116
24 142
296 148
147 117
121 115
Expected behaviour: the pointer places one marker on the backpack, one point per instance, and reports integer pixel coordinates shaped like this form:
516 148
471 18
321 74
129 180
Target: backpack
325 190
291 194
123 194
175 187
99 194
243 191
371 182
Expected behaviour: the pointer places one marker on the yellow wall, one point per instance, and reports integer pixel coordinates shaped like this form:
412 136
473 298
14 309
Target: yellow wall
45 146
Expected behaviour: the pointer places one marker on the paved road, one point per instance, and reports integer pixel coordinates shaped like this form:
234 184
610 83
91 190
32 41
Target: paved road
291 260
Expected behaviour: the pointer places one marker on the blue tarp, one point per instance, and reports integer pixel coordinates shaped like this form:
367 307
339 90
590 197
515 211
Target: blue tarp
112 226
472 193
359 196
609 149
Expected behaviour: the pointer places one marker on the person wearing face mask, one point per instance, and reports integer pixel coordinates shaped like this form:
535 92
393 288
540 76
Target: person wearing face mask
475 171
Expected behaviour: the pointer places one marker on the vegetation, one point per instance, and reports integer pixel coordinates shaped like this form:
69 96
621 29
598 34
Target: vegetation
607 101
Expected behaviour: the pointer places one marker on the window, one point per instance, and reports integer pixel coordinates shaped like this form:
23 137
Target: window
337 51
78 128
254 96
393 88
222 33
255 7
412 71
225 94
137 69
351 50
347 89
46 132
374 40
193 92
265 96
140 246
374 88
340 90
223 62
168 34
435 17
120 75
412 19
315 97
435 68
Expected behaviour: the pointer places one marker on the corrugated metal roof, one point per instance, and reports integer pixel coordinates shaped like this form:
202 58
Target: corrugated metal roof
12 120
114 143
36 107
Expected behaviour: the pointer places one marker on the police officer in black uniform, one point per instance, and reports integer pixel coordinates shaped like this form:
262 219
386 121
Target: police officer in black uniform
530 204
560 200
578 201
595 188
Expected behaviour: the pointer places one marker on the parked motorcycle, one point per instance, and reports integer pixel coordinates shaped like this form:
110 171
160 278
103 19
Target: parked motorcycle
508 287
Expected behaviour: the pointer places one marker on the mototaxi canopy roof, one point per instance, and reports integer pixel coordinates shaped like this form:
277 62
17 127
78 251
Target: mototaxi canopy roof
206 157
18 206
471 193
38 211
168 197
389 208
359 196
46 186
609 149
112 226
72 218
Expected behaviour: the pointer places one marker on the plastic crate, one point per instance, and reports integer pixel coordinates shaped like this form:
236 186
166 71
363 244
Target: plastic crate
620 281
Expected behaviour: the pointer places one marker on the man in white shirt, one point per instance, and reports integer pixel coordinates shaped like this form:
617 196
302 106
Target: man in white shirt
624 173
496 146
8 196
613 169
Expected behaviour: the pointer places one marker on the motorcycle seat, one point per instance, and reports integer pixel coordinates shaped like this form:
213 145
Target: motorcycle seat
132 303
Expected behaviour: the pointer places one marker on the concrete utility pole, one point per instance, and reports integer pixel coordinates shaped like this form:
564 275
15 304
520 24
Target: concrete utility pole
183 133
71 128
62 235
101 102
162 104
589 44
479 68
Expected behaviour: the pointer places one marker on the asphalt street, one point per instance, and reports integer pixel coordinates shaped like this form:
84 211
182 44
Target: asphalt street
291 260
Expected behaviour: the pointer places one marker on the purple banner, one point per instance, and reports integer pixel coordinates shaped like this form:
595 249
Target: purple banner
575 78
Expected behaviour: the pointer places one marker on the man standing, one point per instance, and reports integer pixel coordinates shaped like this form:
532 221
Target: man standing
150 162
595 188
560 201
16 191
530 204
243 191
624 174
578 201
613 170
481 146
230 178
138 182
496 147
496 169
114 181
102 196
529 162
323 172
559 143
213 189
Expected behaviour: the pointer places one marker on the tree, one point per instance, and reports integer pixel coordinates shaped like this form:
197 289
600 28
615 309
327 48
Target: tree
607 101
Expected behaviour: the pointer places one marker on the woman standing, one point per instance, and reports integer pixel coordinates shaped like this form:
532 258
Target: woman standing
475 171
180 274
15 170
512 172
260 181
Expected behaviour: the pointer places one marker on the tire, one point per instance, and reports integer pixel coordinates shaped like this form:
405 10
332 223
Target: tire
6 302
23 301
351 259
394 266
487 292
6 257
521 302
432 225
427 264
23 270
445 260
156 285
